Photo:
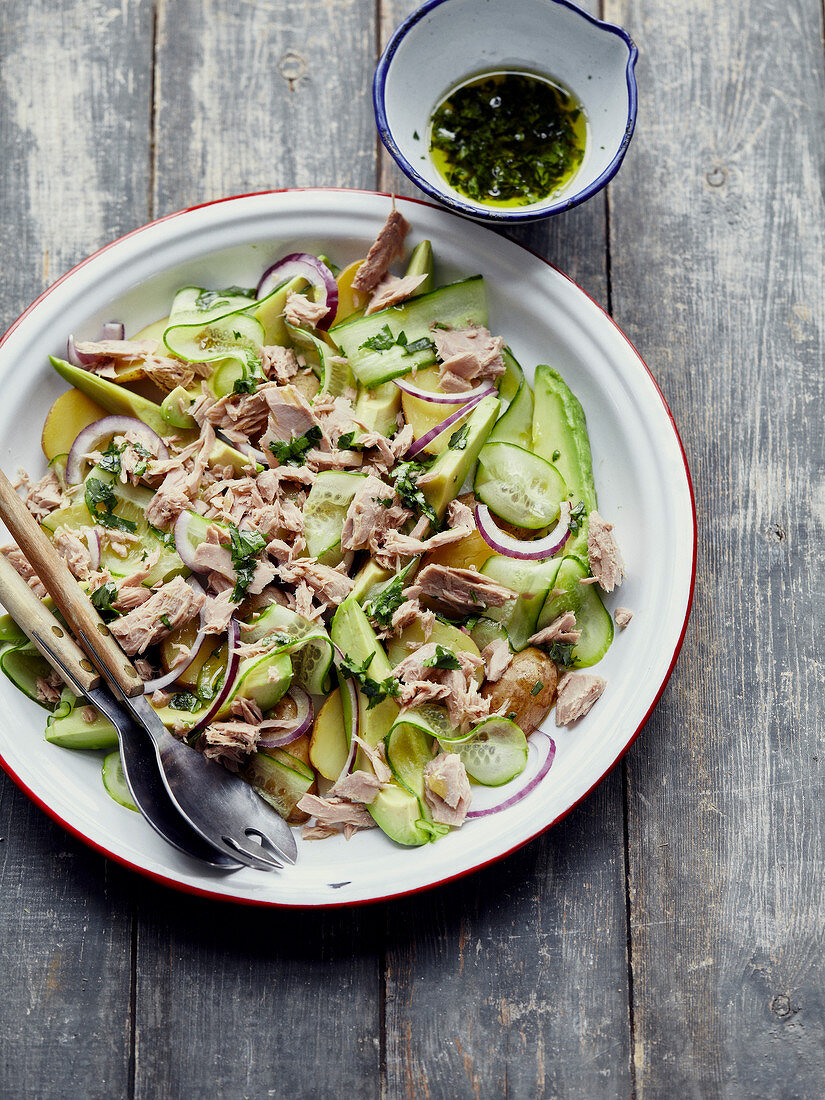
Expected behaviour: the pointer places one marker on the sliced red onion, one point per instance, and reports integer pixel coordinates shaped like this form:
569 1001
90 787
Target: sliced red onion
93 544
246 449
528 788
303 265
448 422
90 439
444 398
169 677
527 550
304 717
189 531
232 662
112 330
109 330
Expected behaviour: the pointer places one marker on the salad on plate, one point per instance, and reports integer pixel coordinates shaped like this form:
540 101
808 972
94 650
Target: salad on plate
354 556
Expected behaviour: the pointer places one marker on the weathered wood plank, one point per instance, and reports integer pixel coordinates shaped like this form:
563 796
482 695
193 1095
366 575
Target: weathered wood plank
717 259
238 1002
262 94
514 981
74 134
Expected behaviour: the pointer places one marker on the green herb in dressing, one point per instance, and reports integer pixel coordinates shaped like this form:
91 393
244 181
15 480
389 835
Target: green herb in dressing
508 138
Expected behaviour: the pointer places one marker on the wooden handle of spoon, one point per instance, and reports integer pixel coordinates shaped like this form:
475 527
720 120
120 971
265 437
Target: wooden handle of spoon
73 603
34 619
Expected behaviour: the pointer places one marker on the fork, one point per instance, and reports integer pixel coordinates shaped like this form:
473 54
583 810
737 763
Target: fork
219 806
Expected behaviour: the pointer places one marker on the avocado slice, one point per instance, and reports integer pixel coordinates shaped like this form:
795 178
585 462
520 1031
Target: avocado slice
352 633
560 436
377 409
448 473
367 579
122 402
328 744
421 263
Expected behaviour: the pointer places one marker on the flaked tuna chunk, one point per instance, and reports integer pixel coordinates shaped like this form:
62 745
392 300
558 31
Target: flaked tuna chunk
461 589
216 612
170 499
562 629
576 694
335 811
357 787
334 460
376 758
299 310
456 687
409 612
174 604
335 415
290 416
43 498
447 789
247 710
279 363
622 616
319 832
392 290
497 657
396 542
606 563
74 551
467 356
229 742
168 373
328 583
21 563
47 689
459 515
388 246
373 511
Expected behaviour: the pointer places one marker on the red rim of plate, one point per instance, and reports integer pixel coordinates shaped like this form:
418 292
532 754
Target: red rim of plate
214 895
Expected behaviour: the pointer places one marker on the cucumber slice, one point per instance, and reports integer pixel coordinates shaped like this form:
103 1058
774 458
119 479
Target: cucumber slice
494 753
516 424
512 380
592 618
10 631
115 781
519 486
280 778
408 750
236 336
325 511
197 305
532 580
307 643
456 305
332 371
24 666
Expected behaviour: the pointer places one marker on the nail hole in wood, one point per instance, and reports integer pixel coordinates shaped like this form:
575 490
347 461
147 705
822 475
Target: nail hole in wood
102 628
87 665
58 633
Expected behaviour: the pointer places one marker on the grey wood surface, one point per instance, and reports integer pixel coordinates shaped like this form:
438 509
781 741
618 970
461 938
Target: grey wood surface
667 937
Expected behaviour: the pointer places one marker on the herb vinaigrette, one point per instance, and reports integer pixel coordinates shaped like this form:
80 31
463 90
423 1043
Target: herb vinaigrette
508 138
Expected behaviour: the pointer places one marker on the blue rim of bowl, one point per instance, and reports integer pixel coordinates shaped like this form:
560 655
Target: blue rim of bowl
491 214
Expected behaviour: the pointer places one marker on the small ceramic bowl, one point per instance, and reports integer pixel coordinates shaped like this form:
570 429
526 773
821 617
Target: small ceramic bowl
446 42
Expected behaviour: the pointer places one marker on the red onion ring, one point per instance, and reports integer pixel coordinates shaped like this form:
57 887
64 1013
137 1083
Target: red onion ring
444 398
89 439
109 330
93 544
524 550
529 787
169 677
232 663
448 422
304 718
303 265
187 547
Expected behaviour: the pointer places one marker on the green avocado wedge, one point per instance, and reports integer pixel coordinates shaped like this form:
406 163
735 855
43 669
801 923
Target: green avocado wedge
444 479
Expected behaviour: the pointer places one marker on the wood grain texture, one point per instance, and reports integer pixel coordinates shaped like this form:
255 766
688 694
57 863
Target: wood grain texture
717 259
74 170
514 982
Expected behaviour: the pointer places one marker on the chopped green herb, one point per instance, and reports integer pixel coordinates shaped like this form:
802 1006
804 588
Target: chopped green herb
292 453
245 385
245 546
185 700
415 135
102 599
458 440
110 459
577 517
424 344
345 441
164 537
385 502
556 456
382 341
406 476
561 653
165 620
536 688
376 691
443 658
383 606
101 500
511 715
401 339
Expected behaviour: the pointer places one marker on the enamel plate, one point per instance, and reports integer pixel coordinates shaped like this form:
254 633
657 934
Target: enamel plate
641 476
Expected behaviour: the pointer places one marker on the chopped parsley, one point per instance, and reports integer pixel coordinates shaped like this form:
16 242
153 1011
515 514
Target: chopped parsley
110 459
458 440
577 517
385 502
345 441
556 456
385 339
292 453
245 385
375 691
424 344
185 700
101 500
383 606
164 537
244 547
406 476
443 658
165 620
537 687
561 653
102 599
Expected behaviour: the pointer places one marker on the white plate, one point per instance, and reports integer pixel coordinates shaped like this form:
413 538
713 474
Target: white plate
641 477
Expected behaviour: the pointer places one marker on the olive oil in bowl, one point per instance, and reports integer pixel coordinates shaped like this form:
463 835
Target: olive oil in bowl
508 139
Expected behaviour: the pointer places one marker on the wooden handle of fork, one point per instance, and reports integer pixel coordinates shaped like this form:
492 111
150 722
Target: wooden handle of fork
73 603
34 619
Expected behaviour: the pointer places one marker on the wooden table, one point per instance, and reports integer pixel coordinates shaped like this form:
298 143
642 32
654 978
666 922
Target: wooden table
667 938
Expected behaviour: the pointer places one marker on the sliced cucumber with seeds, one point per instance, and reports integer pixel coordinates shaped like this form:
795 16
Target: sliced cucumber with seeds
518 486
494 753
325 511
592 618
115 781
24 666
515 425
